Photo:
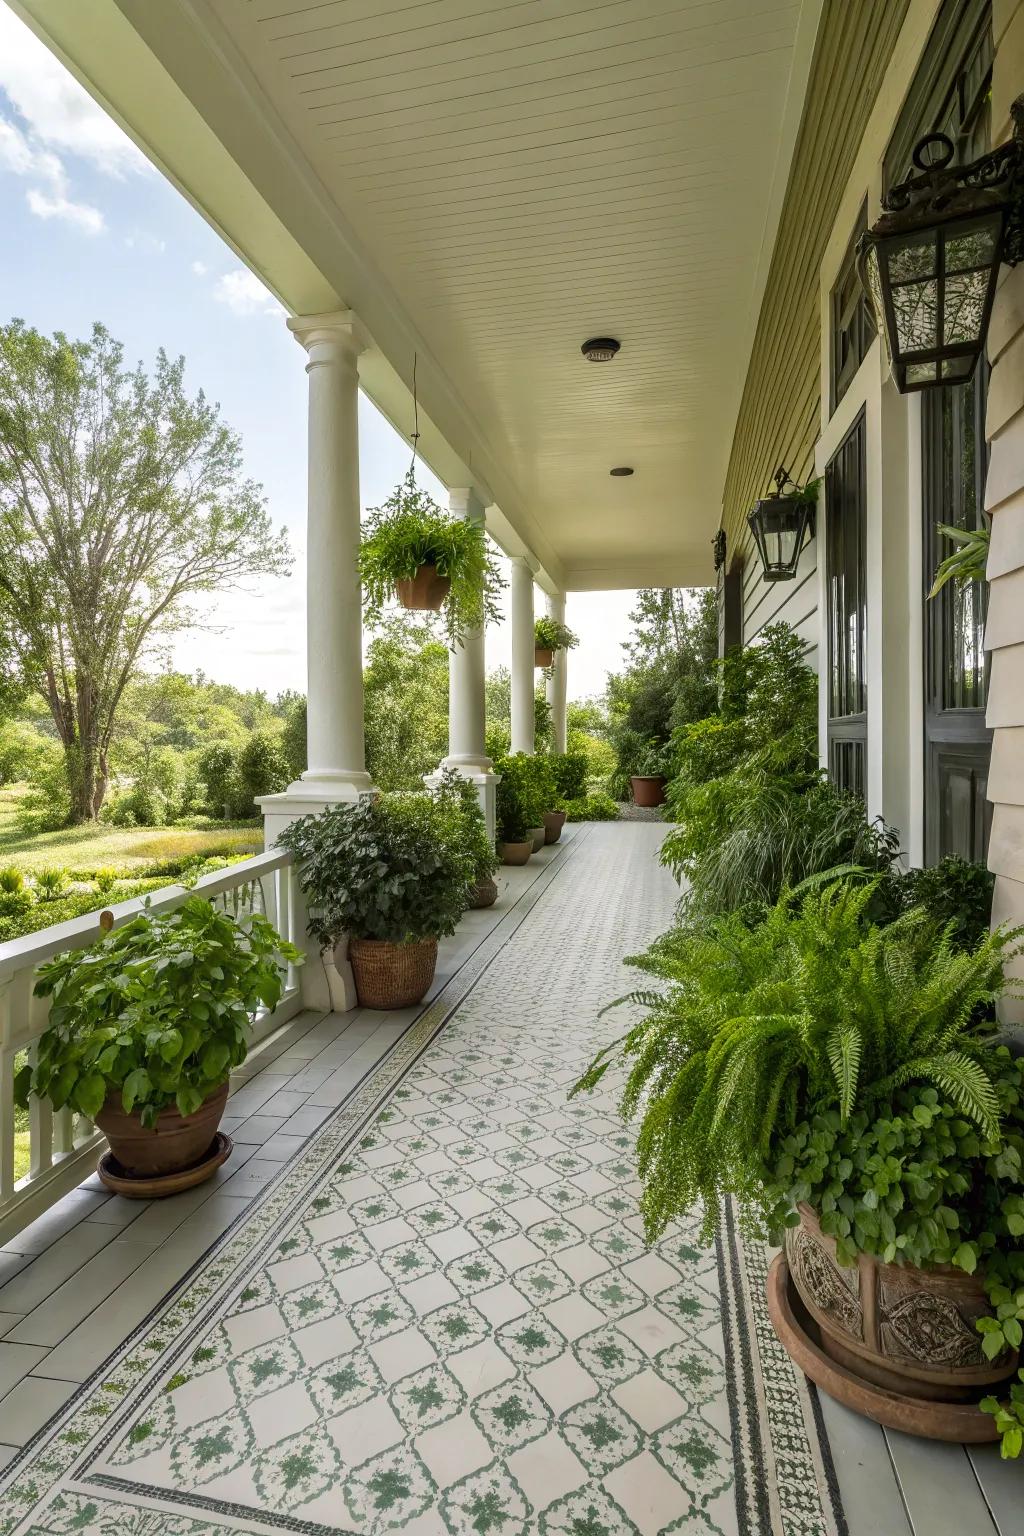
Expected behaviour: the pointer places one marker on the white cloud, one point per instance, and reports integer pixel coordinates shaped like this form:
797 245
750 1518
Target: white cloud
58 206
141 241
58 112
242 292
200 268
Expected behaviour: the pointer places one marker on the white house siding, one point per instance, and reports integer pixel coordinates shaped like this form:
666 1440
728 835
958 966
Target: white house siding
1004 500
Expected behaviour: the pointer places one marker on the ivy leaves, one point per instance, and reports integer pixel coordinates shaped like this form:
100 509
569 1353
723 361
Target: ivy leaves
159 1009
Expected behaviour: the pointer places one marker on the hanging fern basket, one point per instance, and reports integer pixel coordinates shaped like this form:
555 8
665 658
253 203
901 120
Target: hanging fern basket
425 591
543 656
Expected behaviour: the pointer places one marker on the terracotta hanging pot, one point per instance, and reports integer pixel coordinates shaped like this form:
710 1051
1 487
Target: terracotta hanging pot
516 853
554 821
425 590
175 1143
392 975
648 789
543 656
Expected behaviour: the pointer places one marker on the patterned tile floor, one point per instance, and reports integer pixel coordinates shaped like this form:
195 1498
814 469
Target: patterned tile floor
442 1318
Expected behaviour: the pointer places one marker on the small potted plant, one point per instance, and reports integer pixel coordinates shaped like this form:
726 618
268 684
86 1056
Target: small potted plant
389 875
550 636
428 559
845 1084
460 794
519 808
652 768
145 1027
569 779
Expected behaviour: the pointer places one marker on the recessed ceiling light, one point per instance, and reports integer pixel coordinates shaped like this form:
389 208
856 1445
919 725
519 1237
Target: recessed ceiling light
600 349
621 469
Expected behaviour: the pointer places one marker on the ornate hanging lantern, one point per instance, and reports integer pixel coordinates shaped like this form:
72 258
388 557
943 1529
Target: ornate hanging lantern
781 523
929 264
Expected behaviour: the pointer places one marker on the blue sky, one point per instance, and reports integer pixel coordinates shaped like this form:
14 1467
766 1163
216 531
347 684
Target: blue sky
92 231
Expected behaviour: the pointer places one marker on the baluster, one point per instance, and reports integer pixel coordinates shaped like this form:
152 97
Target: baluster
40 1127
6 1126
63 1132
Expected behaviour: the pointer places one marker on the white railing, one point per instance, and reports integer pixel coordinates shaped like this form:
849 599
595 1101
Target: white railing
63 1145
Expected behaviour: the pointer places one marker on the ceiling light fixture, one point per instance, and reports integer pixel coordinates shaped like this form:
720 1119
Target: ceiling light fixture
600 349
621 469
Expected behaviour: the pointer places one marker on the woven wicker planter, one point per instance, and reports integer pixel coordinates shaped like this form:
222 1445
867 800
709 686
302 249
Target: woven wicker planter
485 895
554 821
537 836
515 853
392 975
543 656
424 590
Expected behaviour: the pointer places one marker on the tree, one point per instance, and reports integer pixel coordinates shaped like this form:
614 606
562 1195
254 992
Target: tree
405 694
120 499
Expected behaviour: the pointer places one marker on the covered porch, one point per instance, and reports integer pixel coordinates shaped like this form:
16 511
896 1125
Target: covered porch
418 1298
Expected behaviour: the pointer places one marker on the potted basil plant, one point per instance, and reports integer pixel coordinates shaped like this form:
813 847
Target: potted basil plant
414 551
145 1027
387 876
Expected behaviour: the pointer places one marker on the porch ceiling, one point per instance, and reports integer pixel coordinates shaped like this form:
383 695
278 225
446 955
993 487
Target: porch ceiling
490 182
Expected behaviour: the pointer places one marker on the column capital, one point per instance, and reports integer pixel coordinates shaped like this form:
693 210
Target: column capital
465 501
339 329
526 562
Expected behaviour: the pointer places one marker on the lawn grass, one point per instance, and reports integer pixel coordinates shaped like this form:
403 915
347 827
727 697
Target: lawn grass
78 849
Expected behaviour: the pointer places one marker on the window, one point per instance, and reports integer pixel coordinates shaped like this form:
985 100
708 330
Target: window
846 598
852 321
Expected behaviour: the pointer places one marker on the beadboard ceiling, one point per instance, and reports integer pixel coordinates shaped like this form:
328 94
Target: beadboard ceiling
520 175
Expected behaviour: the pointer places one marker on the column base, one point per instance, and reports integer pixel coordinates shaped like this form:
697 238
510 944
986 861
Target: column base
486 786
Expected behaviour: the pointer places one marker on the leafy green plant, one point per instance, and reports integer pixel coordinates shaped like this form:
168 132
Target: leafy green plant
815 1008
968 559
105 879
569 770
592 808
954 892
51 884
11 880
410 530
655 761
158 1009
460 795
551 635
394 867
519 796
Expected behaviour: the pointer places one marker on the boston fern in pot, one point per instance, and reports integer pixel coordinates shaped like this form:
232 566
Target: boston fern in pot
413 550
844 1082
146 1025
392 874
549 636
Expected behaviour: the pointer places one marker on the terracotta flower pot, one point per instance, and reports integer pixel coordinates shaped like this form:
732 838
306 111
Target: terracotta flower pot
175 1142
554 821
515 853
485 895
648 788
896 1326
424 590
537 834
543 656
392 975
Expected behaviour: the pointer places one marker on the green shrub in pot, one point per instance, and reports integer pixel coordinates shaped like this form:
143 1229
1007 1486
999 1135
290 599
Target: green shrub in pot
158 1010
569 770
520 797
460 795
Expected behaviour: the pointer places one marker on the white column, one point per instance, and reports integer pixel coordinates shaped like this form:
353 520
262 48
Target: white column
557 682
521 603
466 694
336 758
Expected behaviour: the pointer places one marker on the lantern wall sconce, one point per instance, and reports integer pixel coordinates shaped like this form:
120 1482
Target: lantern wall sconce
930 263
719 546
782 522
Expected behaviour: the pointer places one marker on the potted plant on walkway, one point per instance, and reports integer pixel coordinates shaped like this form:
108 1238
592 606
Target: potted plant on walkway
550 636
553 816
519 808
843 1082
145 1027
428 559
652 771
389 875
461 796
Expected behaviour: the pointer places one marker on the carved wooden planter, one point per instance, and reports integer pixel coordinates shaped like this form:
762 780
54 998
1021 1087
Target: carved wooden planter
905 1329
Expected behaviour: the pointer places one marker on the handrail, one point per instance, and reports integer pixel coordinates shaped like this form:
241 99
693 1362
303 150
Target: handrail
61 1143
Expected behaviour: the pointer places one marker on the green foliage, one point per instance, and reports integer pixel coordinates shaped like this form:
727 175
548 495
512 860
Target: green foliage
954 892
158 1009
218 769
45 912
461 797
520 797
120 499
262 770
409 531
105 879
11 880
293 739
395 867
655 761
569 770
405 692
551 635
815 1008
967 561
51 884
592 808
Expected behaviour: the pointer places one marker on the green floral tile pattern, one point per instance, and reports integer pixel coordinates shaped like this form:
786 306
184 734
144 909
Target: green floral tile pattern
443 1316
